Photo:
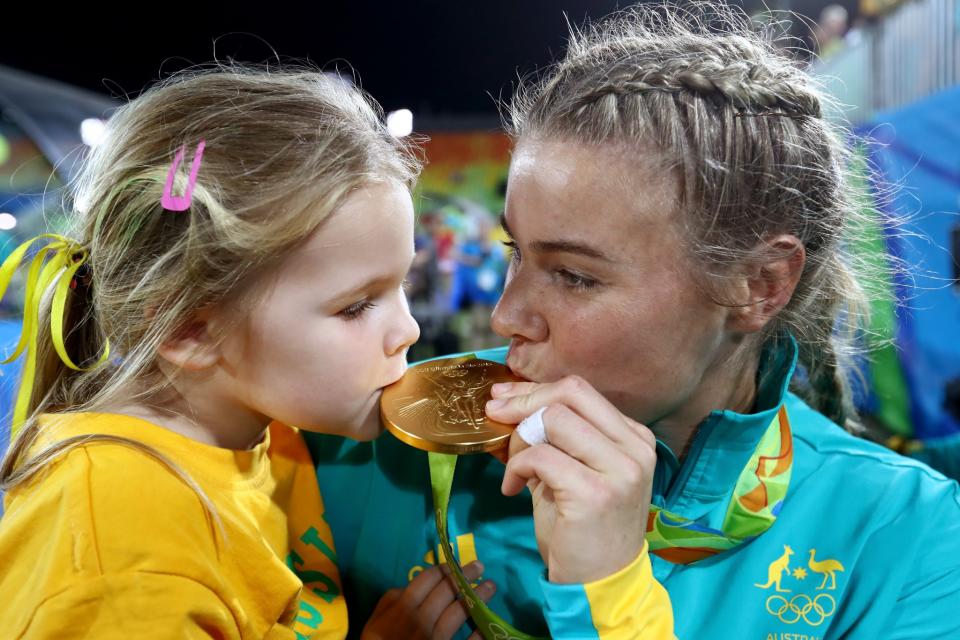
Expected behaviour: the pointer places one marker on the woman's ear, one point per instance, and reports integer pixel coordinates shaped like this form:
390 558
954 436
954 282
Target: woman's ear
193 346
768 283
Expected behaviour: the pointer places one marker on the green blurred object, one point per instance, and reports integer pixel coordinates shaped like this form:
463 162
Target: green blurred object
884 371
4 150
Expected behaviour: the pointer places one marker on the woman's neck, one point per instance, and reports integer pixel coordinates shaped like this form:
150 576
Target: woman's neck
731 386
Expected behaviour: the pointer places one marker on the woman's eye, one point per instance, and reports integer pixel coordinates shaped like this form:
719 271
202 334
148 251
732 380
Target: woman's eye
356 310
575 280
514 251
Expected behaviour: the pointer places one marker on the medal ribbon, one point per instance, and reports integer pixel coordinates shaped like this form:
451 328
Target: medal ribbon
489 624
757 498
63 258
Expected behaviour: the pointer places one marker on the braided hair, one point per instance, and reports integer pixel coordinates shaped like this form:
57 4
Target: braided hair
741 125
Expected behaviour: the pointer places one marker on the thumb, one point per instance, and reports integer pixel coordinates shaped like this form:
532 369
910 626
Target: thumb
517 444
502 454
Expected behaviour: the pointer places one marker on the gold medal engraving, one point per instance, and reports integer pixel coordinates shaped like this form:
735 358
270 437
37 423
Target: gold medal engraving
438 406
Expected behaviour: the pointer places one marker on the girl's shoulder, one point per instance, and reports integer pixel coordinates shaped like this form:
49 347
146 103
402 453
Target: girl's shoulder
100 510
105 492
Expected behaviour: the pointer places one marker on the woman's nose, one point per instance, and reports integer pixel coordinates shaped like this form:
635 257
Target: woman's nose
516 313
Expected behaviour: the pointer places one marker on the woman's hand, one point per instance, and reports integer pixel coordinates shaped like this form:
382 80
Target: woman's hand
427 608
591 483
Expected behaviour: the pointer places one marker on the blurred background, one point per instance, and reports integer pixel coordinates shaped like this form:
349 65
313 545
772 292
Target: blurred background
440 68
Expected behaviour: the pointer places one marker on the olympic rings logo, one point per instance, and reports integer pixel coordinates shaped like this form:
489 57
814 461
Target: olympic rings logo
813 611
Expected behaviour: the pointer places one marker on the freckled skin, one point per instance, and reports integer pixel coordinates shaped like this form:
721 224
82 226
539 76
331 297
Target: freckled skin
643 334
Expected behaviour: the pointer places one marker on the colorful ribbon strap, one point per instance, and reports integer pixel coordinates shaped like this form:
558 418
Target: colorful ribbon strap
757 498
63 258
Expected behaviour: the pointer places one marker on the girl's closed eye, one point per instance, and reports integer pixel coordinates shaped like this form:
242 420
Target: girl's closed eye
357 309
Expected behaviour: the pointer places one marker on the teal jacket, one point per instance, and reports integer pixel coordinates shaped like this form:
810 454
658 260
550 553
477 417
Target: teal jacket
865 547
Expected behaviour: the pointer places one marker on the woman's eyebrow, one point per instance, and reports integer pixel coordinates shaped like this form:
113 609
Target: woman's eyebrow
561 246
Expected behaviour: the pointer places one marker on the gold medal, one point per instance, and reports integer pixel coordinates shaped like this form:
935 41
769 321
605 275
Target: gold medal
439 406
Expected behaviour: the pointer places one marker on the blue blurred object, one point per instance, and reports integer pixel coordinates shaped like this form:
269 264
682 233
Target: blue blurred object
478 278
9 374
45 129
917 148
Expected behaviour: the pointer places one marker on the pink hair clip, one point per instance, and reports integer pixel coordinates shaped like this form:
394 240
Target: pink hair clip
182 203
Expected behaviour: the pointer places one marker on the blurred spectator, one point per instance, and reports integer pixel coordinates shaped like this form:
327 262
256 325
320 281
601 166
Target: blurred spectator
478 282
830 30
427 289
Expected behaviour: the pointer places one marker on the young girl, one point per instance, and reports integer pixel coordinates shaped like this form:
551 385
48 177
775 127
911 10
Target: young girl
243 240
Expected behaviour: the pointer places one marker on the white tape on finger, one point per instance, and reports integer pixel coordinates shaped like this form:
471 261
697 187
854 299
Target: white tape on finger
531 429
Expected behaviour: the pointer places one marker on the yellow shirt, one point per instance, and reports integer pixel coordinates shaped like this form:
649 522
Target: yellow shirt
108 542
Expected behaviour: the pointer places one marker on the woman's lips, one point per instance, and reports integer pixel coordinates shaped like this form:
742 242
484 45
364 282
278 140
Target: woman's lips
518 369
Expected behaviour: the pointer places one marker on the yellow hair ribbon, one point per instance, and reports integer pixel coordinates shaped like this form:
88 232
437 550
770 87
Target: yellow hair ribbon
65 258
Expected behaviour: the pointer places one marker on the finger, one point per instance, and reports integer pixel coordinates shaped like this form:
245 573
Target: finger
648 437
456 614
548 464
510 389
568 431
587 402
421 586
517 444
572 391
531 428
387 600
503 453
442 595
573 435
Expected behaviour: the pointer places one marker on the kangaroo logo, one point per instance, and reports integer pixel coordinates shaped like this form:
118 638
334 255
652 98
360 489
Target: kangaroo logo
812 609
776 570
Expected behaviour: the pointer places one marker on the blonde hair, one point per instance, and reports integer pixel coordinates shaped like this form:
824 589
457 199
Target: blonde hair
740 124
283 150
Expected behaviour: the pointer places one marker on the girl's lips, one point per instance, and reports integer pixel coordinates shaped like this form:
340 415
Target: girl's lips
395 378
